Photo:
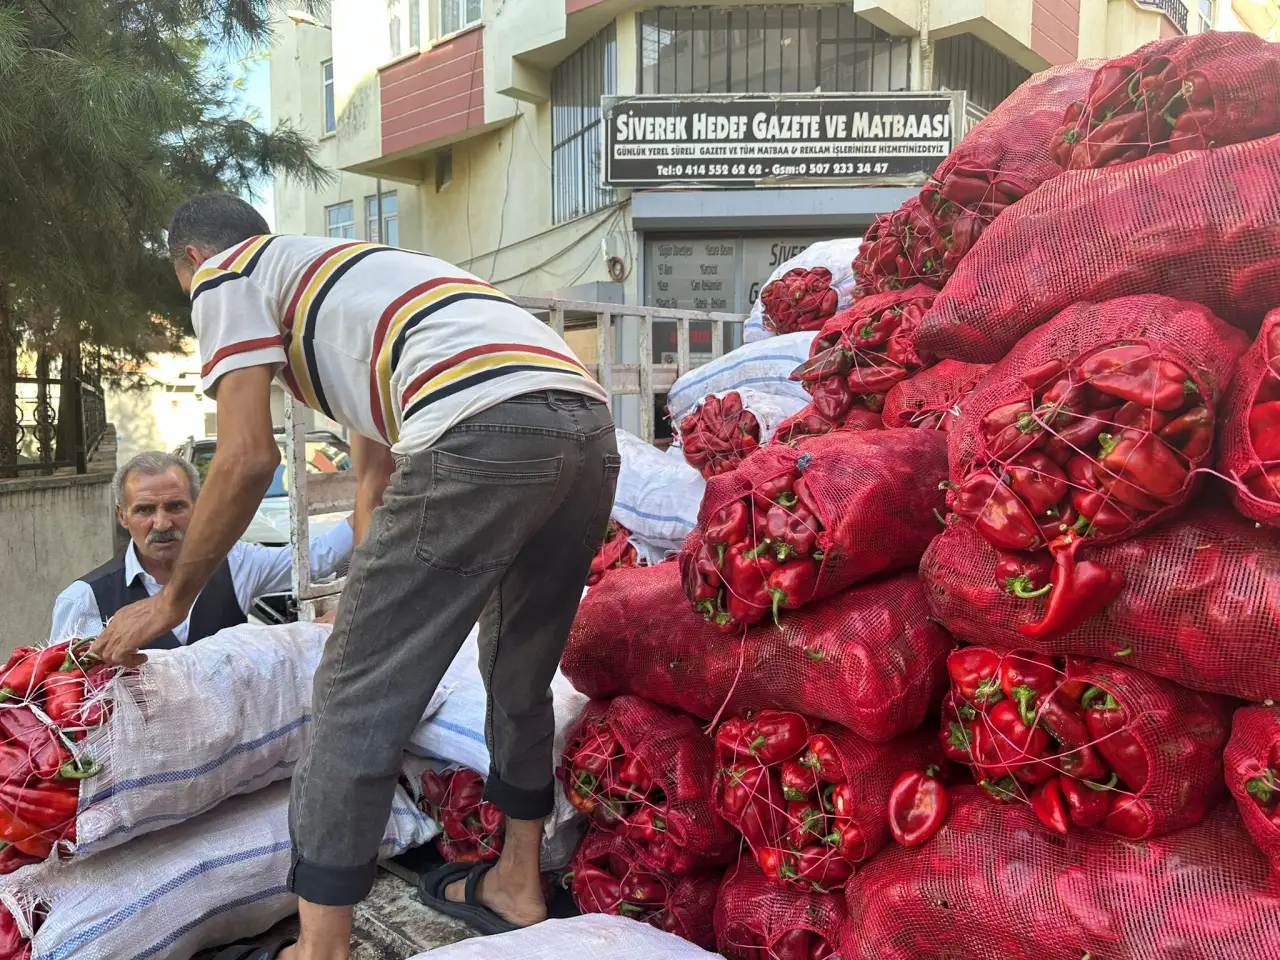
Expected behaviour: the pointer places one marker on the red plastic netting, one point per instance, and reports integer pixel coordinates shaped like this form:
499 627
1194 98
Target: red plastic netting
52 696
1096 421
1092 745
648 772
1202 226
801 299
931 399
608 876
792 526
616 552
997 163
868 659
814 810
471 828
1185 93
809 423
1200 606
863 351
1252 762
1251 427
759 920
994 884
718 434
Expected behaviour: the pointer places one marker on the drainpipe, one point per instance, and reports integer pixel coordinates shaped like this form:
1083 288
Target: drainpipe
926 48
377 186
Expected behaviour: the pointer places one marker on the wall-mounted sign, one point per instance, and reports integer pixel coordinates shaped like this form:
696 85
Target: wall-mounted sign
748 139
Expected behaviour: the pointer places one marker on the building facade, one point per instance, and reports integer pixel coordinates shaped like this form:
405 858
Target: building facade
479 125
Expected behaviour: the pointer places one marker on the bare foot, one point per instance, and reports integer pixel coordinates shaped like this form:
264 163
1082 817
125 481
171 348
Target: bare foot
522 907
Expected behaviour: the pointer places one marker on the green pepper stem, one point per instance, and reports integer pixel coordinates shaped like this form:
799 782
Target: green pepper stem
1020 587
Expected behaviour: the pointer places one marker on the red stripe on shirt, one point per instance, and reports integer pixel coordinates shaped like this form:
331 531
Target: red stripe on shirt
231 257
310 273
232 349
480 351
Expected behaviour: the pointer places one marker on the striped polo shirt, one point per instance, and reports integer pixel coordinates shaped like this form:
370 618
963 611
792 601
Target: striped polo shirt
396 345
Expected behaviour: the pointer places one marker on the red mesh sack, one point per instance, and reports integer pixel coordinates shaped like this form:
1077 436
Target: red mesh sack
607 875
616 552
1202 226
647 772
997 163
811 814
1252 762
995 884
931 399
809 423
792 526
759 920
471 828
1090 745
1251 428
1200 606
801 299
868 659
1183 93
863 351
1097 422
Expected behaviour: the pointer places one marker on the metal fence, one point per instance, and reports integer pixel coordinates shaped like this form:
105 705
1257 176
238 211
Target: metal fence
51 431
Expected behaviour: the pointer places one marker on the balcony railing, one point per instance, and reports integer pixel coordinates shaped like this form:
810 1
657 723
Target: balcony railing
1175 10
51 432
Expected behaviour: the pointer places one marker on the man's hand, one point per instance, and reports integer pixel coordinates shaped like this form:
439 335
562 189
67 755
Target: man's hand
133 627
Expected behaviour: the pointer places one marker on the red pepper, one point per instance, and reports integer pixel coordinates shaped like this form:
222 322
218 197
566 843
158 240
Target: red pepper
1037 480
37 814
776 735
1037 378
1011 429
595 889
1024 577
797 782
822 759
956 737
996 512
645 825
1129 817
1025 677
29 674
1135 373
21 726
777 863
1017 743
1104 517
792 585
730 525
975 671
746 583
434 788
849 840
877 329
636 776
792 531
832 399
868 378
1141 417
1191 434
822 867
792 945
764 818
807 822
1140 469
491 818
642 888
1080 589
1048 806
778 489
1108 724
834 361
1078 436
1264 430
592 757
64 697
1064 719
1087 803
741 783
917 806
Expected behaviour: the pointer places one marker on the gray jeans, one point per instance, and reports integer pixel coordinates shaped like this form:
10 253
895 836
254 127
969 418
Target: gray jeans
498 521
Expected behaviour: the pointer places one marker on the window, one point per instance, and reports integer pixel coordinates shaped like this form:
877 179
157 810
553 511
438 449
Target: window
455 15
415 24
393 26
340 221
966 63
390 223
330 105
576 135
768 49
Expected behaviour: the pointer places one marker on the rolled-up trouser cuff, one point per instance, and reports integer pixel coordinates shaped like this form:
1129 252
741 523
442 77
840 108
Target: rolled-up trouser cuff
519 804
331 886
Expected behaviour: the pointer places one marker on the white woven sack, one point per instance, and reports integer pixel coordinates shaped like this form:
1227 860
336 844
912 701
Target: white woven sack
836 255
455 734
196 725
195 885
764 366
657 496
592 936
769 410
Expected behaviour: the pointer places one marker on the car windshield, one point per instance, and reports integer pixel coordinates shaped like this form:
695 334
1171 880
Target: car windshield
322 457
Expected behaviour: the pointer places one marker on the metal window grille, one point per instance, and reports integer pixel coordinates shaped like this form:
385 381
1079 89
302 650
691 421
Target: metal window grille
767 49
577 85
966 63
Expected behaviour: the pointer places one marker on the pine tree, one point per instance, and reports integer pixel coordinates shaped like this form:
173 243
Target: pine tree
110 116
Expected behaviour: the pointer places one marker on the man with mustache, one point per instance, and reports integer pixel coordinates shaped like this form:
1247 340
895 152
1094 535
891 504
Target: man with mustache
155 494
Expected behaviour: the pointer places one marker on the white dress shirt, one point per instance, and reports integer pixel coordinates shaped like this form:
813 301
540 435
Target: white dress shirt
255 572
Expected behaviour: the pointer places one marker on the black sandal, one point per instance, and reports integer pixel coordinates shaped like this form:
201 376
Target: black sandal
253 951
431 890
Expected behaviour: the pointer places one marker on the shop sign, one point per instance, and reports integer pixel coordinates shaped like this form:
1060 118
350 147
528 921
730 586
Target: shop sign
799 140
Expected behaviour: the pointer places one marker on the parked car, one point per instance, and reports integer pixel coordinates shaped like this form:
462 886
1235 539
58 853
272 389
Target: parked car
326 453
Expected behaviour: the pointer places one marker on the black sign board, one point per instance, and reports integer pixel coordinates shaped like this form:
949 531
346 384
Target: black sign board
785 139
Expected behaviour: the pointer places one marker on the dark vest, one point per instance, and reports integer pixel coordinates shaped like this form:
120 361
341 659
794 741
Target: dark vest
215 609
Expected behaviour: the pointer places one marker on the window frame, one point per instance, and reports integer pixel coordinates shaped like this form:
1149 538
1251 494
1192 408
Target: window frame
577 127
373 233
328 99
349 223
459 8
